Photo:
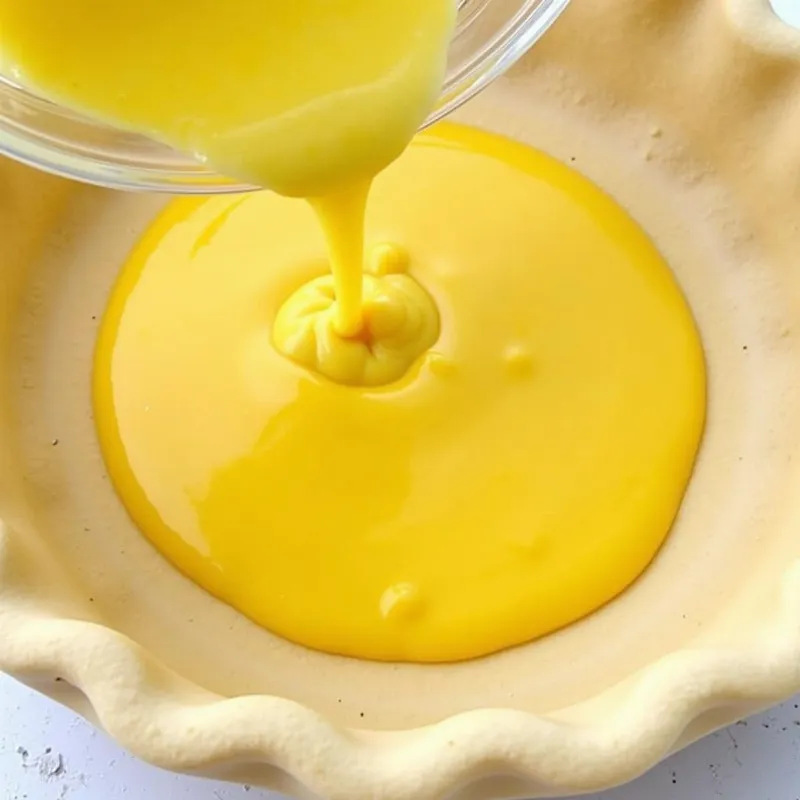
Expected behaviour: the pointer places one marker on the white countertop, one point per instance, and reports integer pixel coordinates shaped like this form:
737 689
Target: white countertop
788 9
48 753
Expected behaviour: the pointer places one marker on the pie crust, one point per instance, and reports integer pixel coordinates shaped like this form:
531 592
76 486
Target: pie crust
688 112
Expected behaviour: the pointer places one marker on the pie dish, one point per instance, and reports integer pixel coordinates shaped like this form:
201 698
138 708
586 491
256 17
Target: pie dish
687 111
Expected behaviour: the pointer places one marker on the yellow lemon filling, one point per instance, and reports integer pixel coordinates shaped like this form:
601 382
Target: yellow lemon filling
496 447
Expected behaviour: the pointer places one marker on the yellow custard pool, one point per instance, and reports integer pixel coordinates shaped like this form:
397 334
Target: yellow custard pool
500 451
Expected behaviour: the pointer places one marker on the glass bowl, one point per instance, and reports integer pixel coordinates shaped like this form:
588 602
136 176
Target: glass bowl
490 36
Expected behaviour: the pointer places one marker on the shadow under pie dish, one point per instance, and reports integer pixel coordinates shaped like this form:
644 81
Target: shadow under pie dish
686 112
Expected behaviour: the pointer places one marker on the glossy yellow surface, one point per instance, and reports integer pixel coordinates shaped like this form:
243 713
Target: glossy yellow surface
301 96
523 471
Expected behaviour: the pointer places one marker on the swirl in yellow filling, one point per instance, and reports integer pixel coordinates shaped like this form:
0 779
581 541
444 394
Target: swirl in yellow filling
399 322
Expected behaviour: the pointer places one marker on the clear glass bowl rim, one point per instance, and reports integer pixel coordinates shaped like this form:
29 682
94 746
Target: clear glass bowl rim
154 167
